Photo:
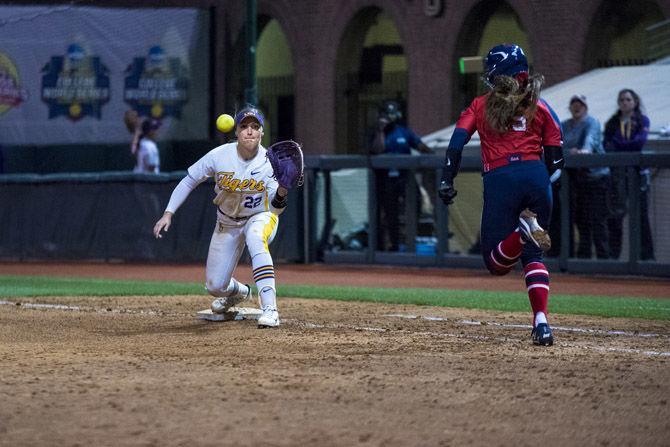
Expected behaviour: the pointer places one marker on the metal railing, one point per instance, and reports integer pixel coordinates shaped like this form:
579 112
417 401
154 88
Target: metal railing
324 166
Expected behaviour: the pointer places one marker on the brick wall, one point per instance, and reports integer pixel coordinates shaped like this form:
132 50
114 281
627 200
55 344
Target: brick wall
557 31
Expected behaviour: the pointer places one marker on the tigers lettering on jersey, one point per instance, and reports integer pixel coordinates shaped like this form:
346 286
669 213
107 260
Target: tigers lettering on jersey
227 181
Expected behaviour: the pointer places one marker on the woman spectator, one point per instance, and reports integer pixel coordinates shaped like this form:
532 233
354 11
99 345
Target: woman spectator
626 131
589 186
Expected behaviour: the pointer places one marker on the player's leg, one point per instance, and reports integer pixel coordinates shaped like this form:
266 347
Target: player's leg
260 230
392 197
615 231
646 243
517 203
598 218
501 243
382 209
536 275
225 249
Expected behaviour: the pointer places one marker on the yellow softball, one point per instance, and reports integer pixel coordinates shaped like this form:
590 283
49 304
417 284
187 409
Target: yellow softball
225 123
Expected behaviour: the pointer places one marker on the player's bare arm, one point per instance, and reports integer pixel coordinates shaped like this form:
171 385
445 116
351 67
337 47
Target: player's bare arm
163 224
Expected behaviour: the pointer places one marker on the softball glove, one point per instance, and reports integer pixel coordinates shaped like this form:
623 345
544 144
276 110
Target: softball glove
287 163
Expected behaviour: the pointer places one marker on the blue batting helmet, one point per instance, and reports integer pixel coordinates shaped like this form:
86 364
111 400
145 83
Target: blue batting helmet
504 60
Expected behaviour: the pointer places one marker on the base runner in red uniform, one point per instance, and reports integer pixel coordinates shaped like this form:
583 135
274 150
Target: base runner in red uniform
521 155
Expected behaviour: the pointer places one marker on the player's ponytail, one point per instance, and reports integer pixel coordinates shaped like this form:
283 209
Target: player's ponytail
510 100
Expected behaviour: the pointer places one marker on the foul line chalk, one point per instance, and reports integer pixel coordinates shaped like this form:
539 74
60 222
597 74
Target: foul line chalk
42 306
79 308
375 329
470 336
528 326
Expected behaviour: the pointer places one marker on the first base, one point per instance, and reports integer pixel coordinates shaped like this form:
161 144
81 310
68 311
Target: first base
233 314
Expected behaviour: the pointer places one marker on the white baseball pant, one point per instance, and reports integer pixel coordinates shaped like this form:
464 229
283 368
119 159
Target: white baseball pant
226 247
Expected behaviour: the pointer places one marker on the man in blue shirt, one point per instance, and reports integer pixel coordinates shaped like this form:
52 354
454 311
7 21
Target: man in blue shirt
391 137
582 135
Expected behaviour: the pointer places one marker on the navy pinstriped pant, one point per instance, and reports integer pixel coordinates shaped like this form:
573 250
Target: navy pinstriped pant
508 190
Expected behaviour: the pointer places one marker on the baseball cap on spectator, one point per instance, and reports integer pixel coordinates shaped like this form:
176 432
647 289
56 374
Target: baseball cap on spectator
580 98
149 125
249 111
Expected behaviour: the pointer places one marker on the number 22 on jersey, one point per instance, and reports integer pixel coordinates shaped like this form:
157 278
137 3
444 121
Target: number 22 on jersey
252 202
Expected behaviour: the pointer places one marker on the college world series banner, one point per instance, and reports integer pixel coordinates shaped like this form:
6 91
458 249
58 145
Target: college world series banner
68 74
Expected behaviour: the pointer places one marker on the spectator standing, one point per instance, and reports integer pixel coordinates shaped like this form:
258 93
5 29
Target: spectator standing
626 131
391 137
148 157
582 135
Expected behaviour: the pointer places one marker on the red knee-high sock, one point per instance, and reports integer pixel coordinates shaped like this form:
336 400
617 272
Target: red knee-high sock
537 283
506 253
512 245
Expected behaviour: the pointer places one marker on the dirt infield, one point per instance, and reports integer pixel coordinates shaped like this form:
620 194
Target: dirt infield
143 371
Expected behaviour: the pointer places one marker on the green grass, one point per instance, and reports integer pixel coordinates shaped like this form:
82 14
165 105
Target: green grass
17 286
605 306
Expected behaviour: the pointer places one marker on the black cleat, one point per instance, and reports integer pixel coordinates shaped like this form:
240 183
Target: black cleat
542 335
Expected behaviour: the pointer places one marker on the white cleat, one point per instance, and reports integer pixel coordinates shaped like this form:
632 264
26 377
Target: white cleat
532 232
222 305
269 317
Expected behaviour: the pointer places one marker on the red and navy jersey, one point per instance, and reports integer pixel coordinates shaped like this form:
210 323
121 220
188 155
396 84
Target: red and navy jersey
521 139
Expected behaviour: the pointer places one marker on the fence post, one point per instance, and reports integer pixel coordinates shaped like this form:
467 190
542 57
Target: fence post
309 216
566 221
634 219
373 206
411 211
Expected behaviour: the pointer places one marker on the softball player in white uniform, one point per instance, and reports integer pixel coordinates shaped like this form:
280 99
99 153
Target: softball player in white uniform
249 201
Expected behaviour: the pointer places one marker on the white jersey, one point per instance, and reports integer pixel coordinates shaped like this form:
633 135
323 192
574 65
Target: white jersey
147 156
242 187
